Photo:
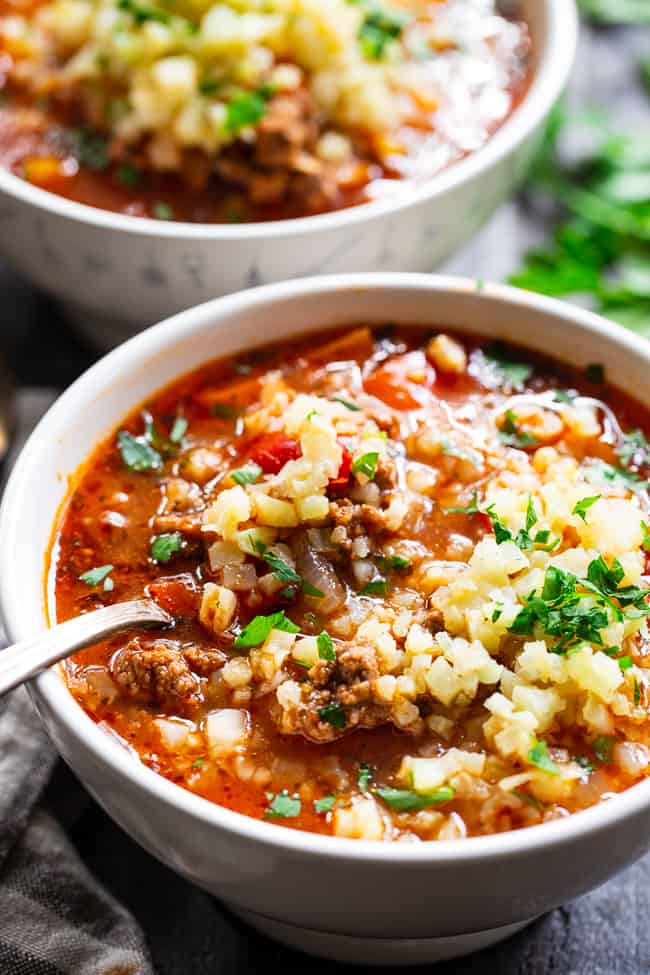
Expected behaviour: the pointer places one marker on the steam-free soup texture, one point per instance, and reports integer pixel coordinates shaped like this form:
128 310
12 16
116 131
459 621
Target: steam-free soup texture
407 572
244 110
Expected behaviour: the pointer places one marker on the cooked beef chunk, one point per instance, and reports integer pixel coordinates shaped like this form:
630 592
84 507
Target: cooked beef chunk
338 697
157 675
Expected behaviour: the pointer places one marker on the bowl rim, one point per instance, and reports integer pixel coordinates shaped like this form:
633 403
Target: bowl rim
51 689
550 78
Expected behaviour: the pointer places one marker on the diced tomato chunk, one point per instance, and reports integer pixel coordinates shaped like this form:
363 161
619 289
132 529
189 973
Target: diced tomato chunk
272 451
177 595
343 475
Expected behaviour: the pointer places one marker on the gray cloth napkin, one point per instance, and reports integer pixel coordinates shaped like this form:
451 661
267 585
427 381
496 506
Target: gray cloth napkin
55 918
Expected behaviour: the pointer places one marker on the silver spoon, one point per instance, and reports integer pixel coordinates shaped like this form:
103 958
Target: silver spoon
22 661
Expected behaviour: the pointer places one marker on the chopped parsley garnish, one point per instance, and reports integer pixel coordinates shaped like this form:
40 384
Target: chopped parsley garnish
637 692
333 714
597 471
93 577
604 749
635 449
585 763
347 404
405 800
523 539
225 411
529 800
178 430
164 546
247 475
246 109
625 662
198 763
282 805
366 773
128 174
510 372
137 453
162 211
325 804
259 628
576 610
378 587
539 756
88 148
394 563
646 536
450 450
325 646
512 435
564 395
366 464
285 573
497 612
583 506
142 12
380 27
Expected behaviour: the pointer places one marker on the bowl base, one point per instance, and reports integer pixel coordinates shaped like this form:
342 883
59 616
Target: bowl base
378 951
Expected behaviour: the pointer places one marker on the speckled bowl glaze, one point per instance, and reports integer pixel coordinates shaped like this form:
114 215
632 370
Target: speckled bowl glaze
344 899
118 274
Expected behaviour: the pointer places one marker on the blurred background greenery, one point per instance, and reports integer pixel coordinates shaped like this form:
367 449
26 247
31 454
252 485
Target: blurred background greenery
592 181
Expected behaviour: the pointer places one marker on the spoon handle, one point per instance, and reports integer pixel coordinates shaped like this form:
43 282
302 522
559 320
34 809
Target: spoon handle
22 661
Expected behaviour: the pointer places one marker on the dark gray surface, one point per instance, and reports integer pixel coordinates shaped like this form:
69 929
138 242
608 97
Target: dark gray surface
605 933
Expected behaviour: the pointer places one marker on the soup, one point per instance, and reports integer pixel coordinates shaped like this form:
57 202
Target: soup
243 111
407 573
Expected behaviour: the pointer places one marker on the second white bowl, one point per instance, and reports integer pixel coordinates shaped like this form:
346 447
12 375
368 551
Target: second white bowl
118 274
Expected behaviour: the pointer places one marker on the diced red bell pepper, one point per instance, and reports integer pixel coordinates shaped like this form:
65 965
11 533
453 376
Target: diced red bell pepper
343 476
271 451
178 595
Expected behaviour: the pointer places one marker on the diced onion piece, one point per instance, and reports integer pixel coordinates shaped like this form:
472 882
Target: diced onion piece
218 605
226 730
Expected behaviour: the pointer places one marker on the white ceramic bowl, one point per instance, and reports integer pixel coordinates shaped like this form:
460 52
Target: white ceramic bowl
118 274
346 899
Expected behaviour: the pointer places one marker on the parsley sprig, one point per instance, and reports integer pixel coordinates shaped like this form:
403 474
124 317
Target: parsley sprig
577 610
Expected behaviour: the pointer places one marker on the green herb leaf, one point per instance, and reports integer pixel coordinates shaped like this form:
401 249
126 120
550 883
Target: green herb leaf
333 714
378 587
599 472
178 430
405 800
512 436
325 646
137 453
164 546
247 475
394 563
366 773
283 806
346 402
93 577
584 763
162 211
225 411
244 110
259 628
325 804
366 464
581 507
128 174
511 373
604 749
380 27
538 756
646 536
